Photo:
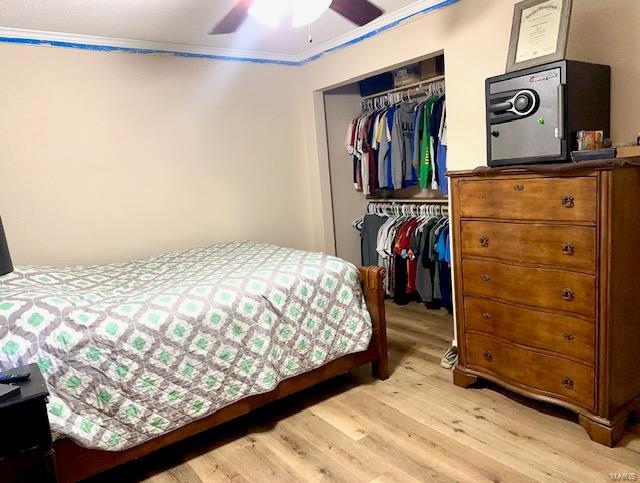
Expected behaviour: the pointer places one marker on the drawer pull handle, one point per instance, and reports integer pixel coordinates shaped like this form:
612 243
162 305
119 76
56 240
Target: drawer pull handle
518 187
567 201
567 382
569 337
568 249
487 356
487 315
484 241
567 294
484 277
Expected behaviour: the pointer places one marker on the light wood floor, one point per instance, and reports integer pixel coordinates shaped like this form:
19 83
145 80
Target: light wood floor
416 426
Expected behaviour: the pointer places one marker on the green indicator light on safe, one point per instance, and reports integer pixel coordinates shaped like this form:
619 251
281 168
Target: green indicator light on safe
540 121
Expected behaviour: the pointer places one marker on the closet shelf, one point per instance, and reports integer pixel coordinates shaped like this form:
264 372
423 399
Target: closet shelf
415 85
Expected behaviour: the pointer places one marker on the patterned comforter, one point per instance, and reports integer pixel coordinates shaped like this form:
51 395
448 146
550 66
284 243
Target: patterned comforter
134 350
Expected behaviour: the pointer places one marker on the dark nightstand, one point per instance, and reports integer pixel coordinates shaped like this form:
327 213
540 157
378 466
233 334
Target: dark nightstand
26 449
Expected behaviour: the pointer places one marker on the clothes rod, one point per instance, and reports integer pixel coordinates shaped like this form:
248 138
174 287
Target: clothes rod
415 85
409 200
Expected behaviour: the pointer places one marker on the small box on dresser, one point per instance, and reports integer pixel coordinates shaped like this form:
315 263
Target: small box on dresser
547 262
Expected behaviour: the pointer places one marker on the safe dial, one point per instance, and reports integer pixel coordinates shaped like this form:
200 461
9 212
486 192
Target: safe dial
523 103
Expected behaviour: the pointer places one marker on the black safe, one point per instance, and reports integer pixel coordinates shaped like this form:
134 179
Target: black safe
533 115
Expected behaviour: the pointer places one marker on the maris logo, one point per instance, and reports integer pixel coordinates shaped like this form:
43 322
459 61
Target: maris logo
543 77
623 476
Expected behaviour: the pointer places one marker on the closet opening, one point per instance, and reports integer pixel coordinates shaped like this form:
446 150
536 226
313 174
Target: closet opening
414 173
387 156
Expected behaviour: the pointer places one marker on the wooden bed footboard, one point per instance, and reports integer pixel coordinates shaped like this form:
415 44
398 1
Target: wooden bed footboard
76 463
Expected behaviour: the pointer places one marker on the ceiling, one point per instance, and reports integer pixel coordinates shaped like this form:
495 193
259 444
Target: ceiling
183 26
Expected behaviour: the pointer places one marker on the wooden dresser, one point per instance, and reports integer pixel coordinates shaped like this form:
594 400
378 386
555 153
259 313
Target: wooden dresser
547 279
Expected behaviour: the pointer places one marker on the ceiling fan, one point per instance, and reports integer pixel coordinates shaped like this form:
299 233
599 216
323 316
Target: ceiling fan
303 12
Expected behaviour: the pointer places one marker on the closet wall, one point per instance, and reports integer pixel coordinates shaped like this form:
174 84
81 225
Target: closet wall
111 156
340 106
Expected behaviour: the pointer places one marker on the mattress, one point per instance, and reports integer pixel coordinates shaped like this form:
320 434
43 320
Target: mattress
134 350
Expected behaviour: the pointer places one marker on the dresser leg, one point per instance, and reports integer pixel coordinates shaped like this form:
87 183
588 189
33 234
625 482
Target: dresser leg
604 434
463 379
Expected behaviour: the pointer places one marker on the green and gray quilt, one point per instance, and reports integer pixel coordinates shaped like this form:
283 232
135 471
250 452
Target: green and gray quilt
133 350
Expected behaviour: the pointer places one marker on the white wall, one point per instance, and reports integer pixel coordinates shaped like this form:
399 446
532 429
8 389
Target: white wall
110 156
607 32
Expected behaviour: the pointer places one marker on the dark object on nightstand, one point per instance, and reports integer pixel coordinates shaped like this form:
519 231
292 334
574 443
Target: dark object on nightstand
5 259
26 449
15 375
8 391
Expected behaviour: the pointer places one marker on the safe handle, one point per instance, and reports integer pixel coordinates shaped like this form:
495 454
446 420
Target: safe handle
560 128
501 106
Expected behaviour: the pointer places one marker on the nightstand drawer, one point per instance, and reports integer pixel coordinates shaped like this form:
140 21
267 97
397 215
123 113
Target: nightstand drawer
537 287
560 246
563 334
548 375
560 199
28 424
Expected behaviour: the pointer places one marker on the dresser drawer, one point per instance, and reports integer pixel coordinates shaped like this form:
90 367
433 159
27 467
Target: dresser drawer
565 335
563 246
538 287
561 199
549 375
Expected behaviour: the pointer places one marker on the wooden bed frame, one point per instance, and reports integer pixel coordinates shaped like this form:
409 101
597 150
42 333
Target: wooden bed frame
76 463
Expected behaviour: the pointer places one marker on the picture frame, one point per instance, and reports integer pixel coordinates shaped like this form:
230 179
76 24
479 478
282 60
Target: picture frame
539 33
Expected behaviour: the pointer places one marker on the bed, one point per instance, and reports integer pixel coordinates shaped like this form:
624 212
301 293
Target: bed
142 354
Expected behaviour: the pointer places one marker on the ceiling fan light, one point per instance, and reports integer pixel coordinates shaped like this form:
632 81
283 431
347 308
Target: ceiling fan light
269 12
304 12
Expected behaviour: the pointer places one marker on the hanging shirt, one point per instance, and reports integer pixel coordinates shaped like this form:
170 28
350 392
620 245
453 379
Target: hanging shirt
425 148
434 132
388 155
401 142
382 143
417 137
442 154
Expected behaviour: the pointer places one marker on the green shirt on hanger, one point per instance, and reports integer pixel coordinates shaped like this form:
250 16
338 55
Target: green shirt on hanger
425 156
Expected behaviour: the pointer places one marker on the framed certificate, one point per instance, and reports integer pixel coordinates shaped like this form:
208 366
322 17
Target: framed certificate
539 33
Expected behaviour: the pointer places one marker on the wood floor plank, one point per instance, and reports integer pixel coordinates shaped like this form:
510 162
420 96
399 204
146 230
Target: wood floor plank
257 462
395 475
364 465
444 454
216 467
336 418
304 457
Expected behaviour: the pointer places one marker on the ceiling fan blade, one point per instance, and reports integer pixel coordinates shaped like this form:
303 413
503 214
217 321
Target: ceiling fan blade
360 12
232 20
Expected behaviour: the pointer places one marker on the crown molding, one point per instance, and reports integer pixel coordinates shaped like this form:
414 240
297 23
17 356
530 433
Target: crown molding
112 44
150 47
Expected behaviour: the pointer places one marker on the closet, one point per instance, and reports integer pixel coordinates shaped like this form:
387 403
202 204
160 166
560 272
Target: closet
387 146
